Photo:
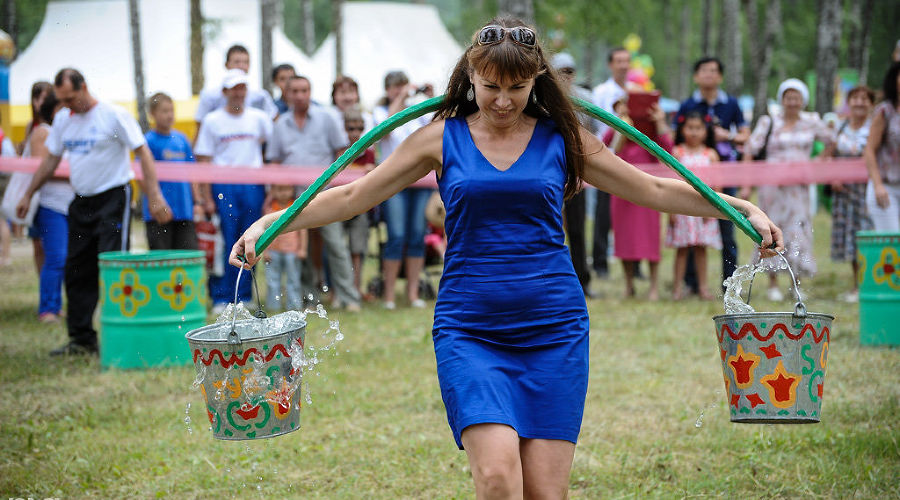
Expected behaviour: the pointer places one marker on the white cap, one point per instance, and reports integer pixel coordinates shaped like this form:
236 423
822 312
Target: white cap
233 78
562 60
794 84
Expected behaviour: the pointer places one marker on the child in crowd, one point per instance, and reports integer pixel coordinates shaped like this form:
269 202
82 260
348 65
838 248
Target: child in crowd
283 255
168 144
694 147
358 227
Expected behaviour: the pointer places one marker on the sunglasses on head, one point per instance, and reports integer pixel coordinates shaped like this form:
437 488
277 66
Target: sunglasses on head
489 35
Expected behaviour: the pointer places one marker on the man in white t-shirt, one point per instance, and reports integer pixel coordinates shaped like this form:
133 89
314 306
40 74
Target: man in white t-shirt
605 96
213 98
98 138
233 135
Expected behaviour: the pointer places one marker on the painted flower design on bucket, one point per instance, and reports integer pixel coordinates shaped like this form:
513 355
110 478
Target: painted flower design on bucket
129 293
888 268
179 290
861 270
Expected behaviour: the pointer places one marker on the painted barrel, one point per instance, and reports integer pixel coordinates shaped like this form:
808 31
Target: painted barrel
250 387
774 365
148 301
878 255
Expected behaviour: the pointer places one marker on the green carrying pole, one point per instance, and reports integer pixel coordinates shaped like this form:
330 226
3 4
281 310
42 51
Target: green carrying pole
432 104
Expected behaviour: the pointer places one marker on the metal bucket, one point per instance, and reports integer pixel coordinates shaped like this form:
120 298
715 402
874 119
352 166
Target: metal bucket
149 299
774 363
249 377
878 255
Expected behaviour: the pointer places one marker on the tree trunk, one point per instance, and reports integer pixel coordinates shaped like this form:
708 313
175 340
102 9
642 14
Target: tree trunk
859 24
522 9
762 43
828 42
684 71
706 29
309 27
751 14
732 51
10 21
589 57
196 47
267 23
338 17
138 58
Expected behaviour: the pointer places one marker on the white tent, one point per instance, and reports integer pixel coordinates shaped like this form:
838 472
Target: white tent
384 36
94 36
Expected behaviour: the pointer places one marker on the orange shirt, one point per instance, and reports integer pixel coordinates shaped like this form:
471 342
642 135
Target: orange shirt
288 242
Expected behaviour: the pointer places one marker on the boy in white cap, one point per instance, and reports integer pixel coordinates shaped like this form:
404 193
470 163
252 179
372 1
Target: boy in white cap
212 99
232 135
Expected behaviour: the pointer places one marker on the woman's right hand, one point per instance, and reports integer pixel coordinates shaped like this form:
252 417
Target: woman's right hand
881 196
246 245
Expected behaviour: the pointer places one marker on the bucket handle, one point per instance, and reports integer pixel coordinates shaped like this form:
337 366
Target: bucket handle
233 337
799 308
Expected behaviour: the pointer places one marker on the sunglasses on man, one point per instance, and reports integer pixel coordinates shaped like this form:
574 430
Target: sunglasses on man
493 34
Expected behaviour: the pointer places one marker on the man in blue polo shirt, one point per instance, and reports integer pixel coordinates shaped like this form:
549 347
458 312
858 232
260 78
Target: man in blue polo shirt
731 132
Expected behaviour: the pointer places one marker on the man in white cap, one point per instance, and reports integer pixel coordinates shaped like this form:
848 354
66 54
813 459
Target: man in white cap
233 135
564 64
211 99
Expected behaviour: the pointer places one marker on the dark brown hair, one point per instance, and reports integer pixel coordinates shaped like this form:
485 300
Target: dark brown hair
157 99
340 82
862 89
511 61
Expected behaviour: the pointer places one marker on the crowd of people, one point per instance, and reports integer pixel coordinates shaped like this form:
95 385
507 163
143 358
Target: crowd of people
239 125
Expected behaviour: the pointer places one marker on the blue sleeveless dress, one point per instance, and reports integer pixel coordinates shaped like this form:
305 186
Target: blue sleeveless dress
510 324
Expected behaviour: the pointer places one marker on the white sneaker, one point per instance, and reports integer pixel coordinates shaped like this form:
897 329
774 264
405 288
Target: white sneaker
774 295
390 305
418 304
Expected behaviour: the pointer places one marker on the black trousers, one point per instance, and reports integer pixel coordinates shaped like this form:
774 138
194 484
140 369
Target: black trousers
602 225
729 251
575 212
97 224
173 235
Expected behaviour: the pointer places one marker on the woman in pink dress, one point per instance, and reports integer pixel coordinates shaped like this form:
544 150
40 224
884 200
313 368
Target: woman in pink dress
636 228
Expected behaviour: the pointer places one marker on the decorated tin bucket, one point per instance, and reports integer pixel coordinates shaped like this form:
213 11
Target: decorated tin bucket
249 374
878 255
774 363
148 301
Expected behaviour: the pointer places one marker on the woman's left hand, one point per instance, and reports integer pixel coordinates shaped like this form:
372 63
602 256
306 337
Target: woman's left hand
772 237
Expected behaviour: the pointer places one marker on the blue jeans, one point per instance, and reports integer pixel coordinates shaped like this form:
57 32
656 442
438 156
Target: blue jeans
404 214
53 230
239 206
287 265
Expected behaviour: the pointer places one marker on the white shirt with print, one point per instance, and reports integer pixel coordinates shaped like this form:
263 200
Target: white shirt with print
234 140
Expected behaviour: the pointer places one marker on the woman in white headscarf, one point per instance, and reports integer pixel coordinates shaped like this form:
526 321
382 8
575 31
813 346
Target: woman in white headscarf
790 138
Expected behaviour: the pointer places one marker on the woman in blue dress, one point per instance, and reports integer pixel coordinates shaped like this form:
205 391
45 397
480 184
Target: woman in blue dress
510 324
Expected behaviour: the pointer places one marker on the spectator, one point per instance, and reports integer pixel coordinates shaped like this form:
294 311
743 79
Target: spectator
695 147
345 97
168 144
605 95
237 58
280 76
848 202
284 256
39 91
51 224
882 155
98 138
309 136
7 150
358 226
232 136
636 228
564 64
404 212
730 133
790 138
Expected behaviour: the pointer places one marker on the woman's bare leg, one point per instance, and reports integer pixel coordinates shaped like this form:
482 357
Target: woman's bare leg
546 464
680 267
493 451
654 281
414 266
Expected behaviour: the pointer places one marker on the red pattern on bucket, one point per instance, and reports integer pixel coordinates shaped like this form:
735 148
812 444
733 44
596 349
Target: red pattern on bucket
240 361
750 328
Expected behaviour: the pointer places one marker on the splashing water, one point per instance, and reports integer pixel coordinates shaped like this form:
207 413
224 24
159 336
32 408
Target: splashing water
714 404
734 284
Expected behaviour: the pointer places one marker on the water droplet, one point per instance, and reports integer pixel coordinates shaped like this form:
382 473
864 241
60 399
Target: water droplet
221 196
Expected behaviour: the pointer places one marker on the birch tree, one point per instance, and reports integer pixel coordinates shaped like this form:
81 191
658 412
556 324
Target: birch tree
138 59
828 40
196 47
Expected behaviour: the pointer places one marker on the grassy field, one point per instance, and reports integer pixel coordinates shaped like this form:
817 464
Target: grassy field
376 428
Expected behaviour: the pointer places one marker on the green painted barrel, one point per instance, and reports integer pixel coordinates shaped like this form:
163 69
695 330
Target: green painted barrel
149 300
878 255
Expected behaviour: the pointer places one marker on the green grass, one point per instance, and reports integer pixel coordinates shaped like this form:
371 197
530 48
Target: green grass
376 428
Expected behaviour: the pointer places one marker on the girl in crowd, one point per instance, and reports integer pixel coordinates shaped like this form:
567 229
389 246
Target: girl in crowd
404 213
510 325
883 157
790 138
695 147
848 202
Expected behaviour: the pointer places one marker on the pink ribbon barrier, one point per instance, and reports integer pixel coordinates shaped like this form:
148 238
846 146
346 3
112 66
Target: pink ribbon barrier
826 171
